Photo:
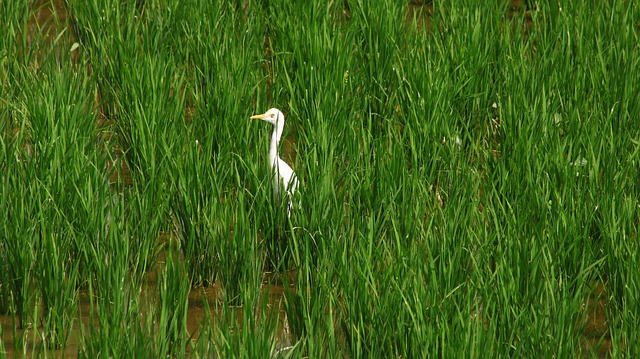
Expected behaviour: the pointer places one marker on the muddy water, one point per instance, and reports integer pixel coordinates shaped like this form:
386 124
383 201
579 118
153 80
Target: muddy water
31 339
200 302
272 291
596 325
420 11
47 29
596 341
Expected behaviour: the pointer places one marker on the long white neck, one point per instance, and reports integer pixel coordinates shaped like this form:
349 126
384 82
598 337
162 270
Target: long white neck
275 141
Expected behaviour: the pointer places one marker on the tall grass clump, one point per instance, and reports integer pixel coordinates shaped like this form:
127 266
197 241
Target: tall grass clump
51 140
210 203
115 293
612 158
436 123
16 255
245 330
142 103
550 187
68 172
173 287
344 208
196 214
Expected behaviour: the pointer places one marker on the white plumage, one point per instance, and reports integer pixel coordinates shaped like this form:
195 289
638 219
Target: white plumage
283 175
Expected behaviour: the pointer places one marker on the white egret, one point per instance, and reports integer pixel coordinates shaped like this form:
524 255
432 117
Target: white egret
283 175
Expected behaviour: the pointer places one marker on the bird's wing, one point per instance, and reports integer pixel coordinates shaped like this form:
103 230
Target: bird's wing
289 178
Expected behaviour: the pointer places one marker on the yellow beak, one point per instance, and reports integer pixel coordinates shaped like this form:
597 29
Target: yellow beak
259 117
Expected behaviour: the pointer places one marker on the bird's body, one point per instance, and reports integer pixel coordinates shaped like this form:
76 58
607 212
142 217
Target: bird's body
283 176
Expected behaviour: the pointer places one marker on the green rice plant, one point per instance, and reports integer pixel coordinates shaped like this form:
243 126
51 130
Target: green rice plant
63 165
173 287
202 345
307 71
134 342
5 293
146 226
2 348
142 98
196 213
15 252
246 330
17 205
58 287
117 263
241 255
618 224
17 247
206 189
151 114
52 126
119 255
558 200
115 293
311 304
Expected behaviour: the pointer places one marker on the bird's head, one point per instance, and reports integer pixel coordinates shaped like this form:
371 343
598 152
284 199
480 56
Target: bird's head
273 116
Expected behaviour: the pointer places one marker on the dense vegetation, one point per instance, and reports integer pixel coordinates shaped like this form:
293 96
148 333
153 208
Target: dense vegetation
469 178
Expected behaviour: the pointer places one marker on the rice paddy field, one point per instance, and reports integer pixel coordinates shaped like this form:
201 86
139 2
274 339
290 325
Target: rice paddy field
469 179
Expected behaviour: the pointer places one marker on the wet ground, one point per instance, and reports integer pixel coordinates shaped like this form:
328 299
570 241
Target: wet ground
202 301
